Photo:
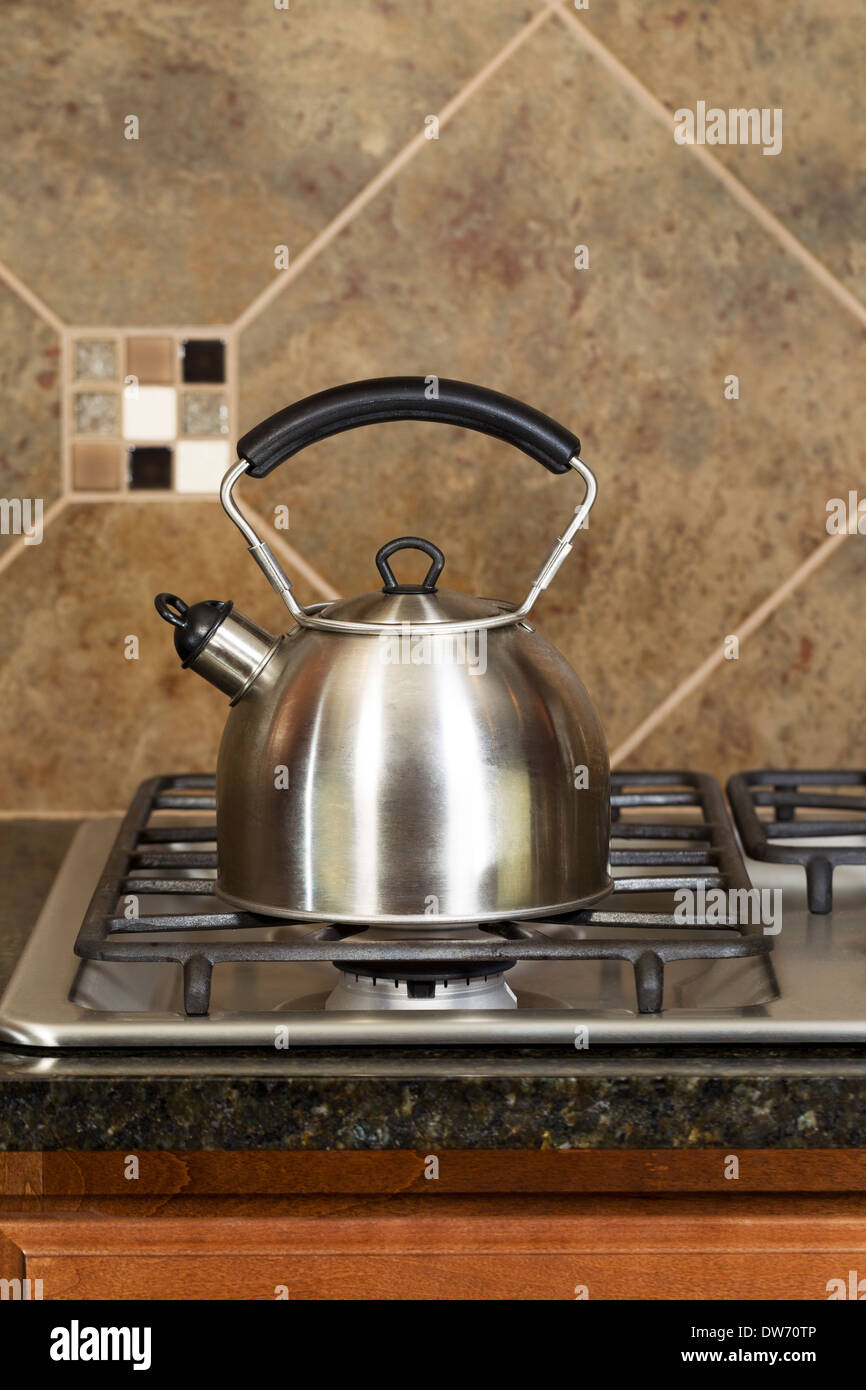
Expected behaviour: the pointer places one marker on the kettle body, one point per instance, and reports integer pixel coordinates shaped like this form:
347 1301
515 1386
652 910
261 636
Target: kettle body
410 757
358 785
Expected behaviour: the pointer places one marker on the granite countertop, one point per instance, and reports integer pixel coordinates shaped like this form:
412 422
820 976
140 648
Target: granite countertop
372 1098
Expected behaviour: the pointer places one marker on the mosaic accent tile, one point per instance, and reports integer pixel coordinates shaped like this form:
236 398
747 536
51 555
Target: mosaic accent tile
95 359
204 360
150 412
205 412
150 467
30 389
96 466
153 361
201 464
705 504
62 661
96 412
149 405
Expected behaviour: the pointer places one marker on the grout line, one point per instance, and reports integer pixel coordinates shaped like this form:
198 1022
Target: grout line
32 300
696 678
719 171
233 388
384 177
291 556
168 330
50 814
19 544
140 497
66 371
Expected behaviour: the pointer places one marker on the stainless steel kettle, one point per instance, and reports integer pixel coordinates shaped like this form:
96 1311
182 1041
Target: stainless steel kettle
410 756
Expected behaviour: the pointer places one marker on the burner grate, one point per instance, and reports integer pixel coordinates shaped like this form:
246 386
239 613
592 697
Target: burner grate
785 793
707 846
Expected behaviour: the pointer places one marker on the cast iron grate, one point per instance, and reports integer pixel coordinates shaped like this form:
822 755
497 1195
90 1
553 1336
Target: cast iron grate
786 793
685 853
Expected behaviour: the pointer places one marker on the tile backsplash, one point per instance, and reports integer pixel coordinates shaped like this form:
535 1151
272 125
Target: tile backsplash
490 192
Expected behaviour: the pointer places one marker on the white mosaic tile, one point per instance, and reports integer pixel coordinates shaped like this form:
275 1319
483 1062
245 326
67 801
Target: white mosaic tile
200 464
150 412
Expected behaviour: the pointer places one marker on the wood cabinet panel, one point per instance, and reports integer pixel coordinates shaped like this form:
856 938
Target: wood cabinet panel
407 1247
20 1181
483 1275
66 1173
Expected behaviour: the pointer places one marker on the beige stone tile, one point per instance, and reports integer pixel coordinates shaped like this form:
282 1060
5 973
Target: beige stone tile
81 724
807 59
795 696
30 392
256 126
464 268
152 360
96 466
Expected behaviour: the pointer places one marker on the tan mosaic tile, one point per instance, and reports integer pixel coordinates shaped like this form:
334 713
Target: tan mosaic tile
96 466
83 725
30 391
795 696
804 58
464 268
153 361
255 126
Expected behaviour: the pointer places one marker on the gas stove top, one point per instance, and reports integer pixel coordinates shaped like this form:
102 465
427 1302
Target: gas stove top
694 945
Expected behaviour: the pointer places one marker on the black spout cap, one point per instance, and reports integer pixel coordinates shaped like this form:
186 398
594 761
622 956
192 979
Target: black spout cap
193 627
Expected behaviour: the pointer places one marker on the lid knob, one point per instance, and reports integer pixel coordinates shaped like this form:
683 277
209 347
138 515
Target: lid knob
428 585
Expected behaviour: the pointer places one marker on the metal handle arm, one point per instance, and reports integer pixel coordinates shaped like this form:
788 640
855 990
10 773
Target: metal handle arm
279 581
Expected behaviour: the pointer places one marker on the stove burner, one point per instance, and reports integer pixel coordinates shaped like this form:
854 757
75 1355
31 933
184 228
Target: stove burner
836 814
407 985
651 858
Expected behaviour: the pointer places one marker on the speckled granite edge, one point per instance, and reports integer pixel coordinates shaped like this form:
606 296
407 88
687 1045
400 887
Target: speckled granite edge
373 1112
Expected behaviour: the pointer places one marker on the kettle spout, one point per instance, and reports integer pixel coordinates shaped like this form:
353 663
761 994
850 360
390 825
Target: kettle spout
219 643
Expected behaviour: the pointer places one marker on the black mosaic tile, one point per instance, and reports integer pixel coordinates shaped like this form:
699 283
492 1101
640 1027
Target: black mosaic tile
150 467
204 360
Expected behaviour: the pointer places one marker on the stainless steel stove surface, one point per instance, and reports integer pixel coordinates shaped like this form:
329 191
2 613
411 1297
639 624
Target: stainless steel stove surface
764 969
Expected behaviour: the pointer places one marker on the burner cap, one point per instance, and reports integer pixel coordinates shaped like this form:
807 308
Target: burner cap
420 979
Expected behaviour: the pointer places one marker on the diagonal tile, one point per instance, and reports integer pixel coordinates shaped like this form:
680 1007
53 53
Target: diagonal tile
807 59
30 390
463 268
82 725
795 696
256 125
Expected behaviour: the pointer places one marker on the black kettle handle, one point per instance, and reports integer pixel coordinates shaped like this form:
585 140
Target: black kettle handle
407 398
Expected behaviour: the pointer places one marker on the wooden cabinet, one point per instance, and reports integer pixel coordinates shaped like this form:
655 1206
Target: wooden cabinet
499 1225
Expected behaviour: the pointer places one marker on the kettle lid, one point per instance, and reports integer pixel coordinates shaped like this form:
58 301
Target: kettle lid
413 603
